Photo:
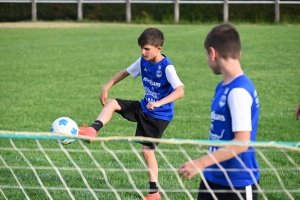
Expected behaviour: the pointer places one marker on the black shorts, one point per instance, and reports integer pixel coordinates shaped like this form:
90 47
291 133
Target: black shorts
146 126
247 193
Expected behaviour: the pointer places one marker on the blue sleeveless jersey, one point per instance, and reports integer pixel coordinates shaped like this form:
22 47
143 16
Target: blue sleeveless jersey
221 129
156 87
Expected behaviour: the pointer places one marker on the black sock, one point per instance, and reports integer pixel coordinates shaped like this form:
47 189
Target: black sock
97 125
153 187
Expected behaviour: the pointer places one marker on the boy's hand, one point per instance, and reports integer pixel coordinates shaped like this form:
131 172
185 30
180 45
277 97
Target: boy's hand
151 105
103 97
189 169
298 112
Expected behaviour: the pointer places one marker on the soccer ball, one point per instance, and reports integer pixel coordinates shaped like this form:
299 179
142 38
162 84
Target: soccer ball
66 126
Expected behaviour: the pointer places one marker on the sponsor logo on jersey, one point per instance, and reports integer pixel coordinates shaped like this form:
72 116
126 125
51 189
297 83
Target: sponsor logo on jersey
154 95
152 83
213 136
214 116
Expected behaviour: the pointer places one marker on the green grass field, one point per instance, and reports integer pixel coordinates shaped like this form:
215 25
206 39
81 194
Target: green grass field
49 72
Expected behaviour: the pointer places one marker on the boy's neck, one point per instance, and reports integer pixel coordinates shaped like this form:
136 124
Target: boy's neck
157 58
230 69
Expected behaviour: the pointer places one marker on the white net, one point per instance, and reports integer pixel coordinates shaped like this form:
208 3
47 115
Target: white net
32 166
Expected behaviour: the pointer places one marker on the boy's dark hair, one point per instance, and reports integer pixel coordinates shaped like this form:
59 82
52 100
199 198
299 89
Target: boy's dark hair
225 40
152 36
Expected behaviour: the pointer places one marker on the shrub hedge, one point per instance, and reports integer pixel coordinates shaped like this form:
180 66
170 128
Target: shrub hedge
150 13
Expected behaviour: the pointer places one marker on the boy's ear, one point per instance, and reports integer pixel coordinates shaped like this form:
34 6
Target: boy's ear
213 53
159 48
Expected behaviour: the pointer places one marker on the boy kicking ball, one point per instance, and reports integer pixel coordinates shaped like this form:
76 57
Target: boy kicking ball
155 111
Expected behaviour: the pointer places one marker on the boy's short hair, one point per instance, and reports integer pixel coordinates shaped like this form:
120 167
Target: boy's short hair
152 36
225 40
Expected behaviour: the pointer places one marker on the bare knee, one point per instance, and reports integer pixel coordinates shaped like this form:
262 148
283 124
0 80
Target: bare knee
112 103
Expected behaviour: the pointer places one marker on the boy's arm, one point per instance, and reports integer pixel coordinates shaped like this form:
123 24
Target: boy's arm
117 78
191 168
176 94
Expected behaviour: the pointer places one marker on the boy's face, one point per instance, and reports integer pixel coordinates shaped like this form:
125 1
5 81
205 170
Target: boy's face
150 52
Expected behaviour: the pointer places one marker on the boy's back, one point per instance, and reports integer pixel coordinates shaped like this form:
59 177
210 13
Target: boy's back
227 117
234 117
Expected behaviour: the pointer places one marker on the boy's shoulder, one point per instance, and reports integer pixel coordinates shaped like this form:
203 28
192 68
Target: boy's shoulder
165 61
243 82
240 82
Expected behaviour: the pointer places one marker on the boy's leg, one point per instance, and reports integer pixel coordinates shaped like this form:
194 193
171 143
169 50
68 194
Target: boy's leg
152 128
151 163
203 193
152 166
106 114
108 110
127 108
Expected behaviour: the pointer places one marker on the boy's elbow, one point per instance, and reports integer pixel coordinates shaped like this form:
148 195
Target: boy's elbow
181 91
241 149
244 149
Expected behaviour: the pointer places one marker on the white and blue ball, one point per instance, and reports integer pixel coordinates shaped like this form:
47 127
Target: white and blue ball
65 126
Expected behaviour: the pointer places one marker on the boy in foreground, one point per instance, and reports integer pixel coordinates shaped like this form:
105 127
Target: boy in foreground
234 117
154 112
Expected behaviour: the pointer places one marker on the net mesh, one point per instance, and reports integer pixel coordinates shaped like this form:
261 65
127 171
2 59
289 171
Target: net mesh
113 167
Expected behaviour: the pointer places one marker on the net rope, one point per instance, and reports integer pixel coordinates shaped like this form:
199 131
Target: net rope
101 170
32 168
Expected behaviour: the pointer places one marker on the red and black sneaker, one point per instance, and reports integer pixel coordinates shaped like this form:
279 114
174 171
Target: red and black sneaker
87 131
